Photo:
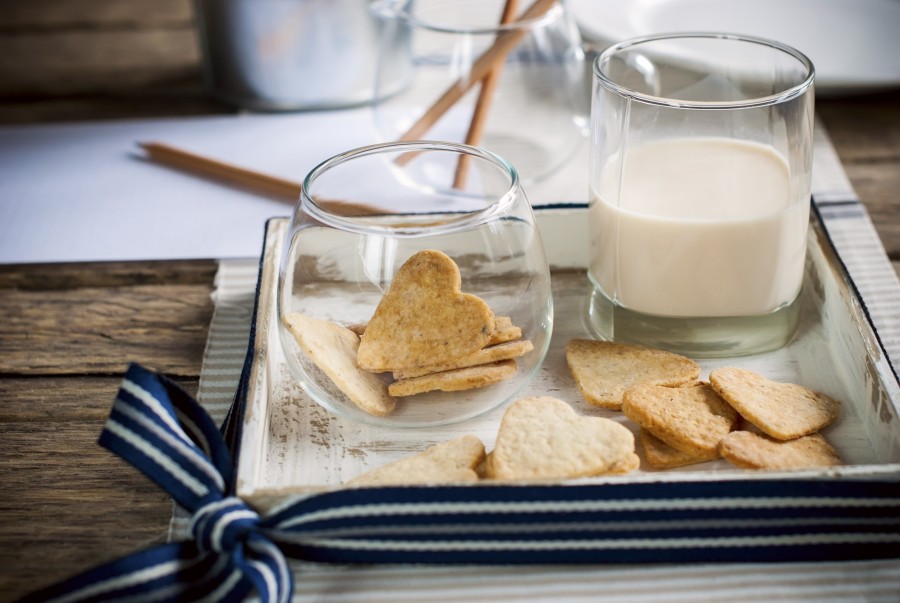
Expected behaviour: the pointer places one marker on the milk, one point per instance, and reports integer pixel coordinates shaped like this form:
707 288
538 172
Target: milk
703 227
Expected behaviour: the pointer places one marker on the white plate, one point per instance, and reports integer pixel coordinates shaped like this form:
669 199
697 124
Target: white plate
854 44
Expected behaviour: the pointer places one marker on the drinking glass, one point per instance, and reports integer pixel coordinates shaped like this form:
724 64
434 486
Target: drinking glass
508 78
361 216
701 157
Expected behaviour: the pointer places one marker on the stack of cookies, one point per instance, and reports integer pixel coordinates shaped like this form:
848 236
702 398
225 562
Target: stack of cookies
738 415
425 333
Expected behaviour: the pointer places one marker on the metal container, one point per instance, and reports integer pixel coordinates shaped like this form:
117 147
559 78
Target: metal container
282 55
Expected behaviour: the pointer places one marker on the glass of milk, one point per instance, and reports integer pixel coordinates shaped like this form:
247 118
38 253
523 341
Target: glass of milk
701 157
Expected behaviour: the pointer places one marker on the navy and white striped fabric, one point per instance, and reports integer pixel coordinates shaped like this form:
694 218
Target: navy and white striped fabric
164 433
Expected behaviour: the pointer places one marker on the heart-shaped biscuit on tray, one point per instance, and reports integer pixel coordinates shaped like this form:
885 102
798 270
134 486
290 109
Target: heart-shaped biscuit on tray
424 318
544 438
757 451
660 455
603 370
446 462
783 411
691 419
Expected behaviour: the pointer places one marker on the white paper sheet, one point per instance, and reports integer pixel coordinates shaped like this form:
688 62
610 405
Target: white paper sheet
80 192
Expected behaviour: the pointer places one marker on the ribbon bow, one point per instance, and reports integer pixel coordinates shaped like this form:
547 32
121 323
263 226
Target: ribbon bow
167 435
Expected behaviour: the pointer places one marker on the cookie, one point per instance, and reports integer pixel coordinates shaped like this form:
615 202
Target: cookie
447 462
358 327
783 411
690 419
544 438
504 330
660 455
757 451
424 318
630 463
333 349
603 370
456 380
503 351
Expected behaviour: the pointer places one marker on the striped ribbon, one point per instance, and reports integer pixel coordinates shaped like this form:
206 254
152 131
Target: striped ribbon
164 433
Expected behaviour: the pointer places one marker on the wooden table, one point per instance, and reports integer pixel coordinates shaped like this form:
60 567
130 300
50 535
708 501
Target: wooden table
68 330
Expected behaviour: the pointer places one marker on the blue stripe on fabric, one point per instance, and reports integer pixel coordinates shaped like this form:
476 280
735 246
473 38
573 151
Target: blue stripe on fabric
208 437
158 434
232 426
186 491
265 568
157 459
814 495
823 216
157 410
225 529
147 433
190 583
810 489
609 533
185 573
784 552
478 517
600 528
178 405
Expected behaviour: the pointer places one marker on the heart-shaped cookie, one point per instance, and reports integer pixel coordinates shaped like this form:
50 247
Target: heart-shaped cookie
756 451
424 318
603 370
691 419
333 349
544 438
447 462
660 455
456 380
783 411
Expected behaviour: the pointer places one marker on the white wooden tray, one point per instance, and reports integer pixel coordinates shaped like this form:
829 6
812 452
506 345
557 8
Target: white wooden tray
291 446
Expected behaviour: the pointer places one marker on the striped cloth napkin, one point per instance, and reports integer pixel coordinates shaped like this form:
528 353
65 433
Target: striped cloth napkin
863 254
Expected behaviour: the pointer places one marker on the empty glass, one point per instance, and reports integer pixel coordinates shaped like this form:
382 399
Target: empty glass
513 82
361 216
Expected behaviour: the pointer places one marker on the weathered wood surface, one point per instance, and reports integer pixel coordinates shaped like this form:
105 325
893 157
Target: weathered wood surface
84 320
66 60
866 133
99 329
68 330
65 500
83 46
45 277
66 336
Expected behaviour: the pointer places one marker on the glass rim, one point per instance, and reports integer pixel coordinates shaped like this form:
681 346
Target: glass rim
762 101
392 8
359 224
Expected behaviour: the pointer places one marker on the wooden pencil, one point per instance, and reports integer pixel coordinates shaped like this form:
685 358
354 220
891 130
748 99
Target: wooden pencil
488 60
271 186
483 104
